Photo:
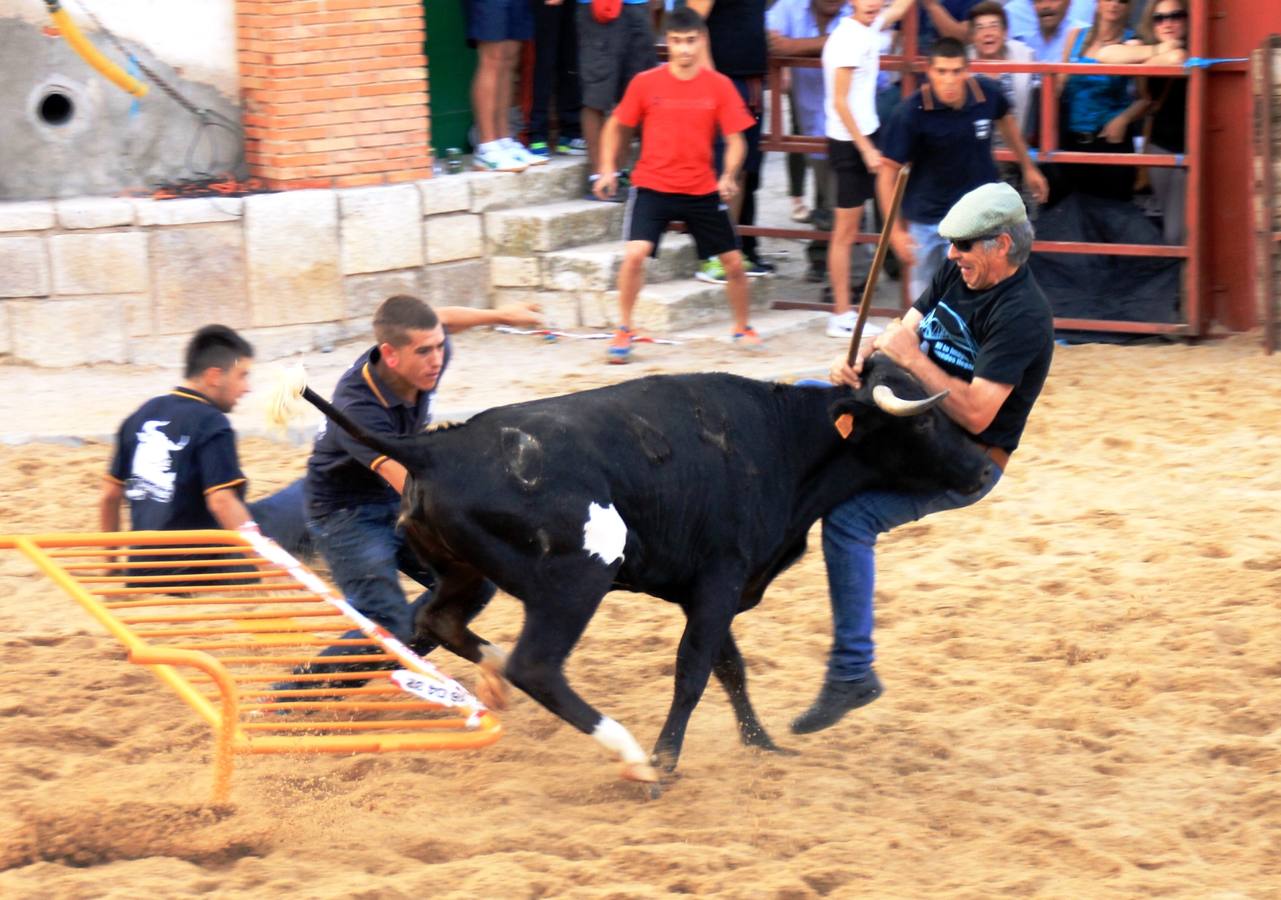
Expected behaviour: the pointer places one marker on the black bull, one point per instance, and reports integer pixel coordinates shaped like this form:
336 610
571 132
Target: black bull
698 489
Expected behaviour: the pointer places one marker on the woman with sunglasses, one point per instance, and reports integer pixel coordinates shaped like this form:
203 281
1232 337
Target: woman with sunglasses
1164 38
1100 108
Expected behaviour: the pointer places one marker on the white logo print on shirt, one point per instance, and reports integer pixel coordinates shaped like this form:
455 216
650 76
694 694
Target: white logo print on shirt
152 471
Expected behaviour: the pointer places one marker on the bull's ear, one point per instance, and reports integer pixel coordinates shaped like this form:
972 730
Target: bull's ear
845 412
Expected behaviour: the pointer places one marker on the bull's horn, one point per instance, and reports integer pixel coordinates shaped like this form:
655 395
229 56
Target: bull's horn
886 399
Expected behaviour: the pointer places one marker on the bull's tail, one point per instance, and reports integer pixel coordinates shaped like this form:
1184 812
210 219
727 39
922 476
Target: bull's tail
285 403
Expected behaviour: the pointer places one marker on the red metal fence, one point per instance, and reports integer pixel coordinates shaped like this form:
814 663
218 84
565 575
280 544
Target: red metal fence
1265 58
1193 312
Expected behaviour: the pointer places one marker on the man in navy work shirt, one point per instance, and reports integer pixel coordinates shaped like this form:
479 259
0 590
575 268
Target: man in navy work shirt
984 332
353 493
944 131
175 459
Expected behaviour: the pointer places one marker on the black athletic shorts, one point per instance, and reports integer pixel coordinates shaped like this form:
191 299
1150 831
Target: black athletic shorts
854 184
706 218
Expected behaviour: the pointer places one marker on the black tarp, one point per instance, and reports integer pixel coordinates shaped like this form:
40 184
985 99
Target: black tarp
1095 286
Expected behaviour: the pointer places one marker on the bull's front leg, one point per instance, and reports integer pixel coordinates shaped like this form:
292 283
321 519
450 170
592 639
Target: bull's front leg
732 675
553 625
708 615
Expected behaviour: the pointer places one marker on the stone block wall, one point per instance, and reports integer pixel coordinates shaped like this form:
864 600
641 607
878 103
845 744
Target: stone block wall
127 280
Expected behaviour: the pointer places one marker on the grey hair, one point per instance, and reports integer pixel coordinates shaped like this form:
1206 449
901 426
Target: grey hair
1021 236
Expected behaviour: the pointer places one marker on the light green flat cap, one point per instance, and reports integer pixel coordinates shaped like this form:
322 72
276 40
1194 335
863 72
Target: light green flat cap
983 211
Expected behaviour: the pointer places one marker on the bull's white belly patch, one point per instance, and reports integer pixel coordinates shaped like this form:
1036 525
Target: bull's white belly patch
604 533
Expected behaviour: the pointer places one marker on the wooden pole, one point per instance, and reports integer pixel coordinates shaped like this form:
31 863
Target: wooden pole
882 247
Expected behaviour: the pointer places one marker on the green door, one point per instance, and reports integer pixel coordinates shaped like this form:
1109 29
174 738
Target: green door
450 63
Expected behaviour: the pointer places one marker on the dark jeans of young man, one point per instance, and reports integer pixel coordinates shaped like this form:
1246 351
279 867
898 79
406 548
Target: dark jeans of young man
366 553
283 518
555 68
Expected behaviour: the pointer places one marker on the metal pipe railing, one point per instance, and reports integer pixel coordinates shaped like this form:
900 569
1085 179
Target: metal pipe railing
1193 313
1269 235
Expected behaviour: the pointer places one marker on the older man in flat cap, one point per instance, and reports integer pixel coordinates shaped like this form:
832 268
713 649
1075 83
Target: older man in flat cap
983 331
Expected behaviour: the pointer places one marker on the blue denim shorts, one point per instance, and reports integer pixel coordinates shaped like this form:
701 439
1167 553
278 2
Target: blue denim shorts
499 20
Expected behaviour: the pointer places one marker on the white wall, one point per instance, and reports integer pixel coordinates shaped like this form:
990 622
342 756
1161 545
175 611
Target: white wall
195 37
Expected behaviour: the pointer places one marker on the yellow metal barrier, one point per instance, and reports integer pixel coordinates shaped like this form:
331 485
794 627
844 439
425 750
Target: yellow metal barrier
225 618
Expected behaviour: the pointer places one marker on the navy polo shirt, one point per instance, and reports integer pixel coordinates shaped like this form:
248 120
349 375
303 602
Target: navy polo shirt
170 455
343 472
950 149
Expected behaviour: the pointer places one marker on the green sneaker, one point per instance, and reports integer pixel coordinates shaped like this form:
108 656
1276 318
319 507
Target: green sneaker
712 272
574 147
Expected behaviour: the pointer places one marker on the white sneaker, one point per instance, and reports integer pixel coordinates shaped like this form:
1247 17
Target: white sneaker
842 326
493 157
519 151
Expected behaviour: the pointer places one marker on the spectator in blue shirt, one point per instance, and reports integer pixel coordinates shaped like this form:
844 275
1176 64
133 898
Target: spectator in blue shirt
943 18
1044 24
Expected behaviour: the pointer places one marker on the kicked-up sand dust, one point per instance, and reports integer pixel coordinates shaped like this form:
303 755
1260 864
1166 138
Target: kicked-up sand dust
1083 699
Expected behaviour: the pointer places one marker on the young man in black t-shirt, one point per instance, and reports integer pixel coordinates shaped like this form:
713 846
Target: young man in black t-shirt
175 460
982 331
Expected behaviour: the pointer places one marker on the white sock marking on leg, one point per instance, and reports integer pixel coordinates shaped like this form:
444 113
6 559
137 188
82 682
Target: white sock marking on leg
619 740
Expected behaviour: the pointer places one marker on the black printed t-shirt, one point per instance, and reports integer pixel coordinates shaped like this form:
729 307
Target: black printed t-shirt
342 472
170 455
950 149
1004 334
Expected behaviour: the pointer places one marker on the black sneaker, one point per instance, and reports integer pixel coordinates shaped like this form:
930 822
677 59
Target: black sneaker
835 700
758 268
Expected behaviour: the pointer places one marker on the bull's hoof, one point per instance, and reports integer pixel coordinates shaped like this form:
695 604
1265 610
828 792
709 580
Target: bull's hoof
493 690
642 772
759 739
772 747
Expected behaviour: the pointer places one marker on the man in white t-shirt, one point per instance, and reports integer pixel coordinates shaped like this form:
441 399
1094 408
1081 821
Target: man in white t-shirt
851 64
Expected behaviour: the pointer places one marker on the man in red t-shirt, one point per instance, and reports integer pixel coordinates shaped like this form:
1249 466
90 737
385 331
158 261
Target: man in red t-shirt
680 105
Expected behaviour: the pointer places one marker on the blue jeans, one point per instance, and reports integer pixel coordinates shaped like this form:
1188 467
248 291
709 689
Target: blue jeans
931 253
283 518
849 550
366 552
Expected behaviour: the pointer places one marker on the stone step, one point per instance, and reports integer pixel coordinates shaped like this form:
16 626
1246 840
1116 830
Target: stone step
672 306
551 226
663 308
563 178
594 267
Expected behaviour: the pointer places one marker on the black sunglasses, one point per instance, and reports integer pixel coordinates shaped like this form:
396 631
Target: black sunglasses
965 245
1158 18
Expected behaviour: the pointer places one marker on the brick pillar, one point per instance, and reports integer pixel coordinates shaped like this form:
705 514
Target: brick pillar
334 91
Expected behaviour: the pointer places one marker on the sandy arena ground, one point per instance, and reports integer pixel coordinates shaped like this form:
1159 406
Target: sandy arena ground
1081 686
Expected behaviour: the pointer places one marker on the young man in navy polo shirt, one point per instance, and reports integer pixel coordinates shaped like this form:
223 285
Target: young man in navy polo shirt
175 459
353 493
944 131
